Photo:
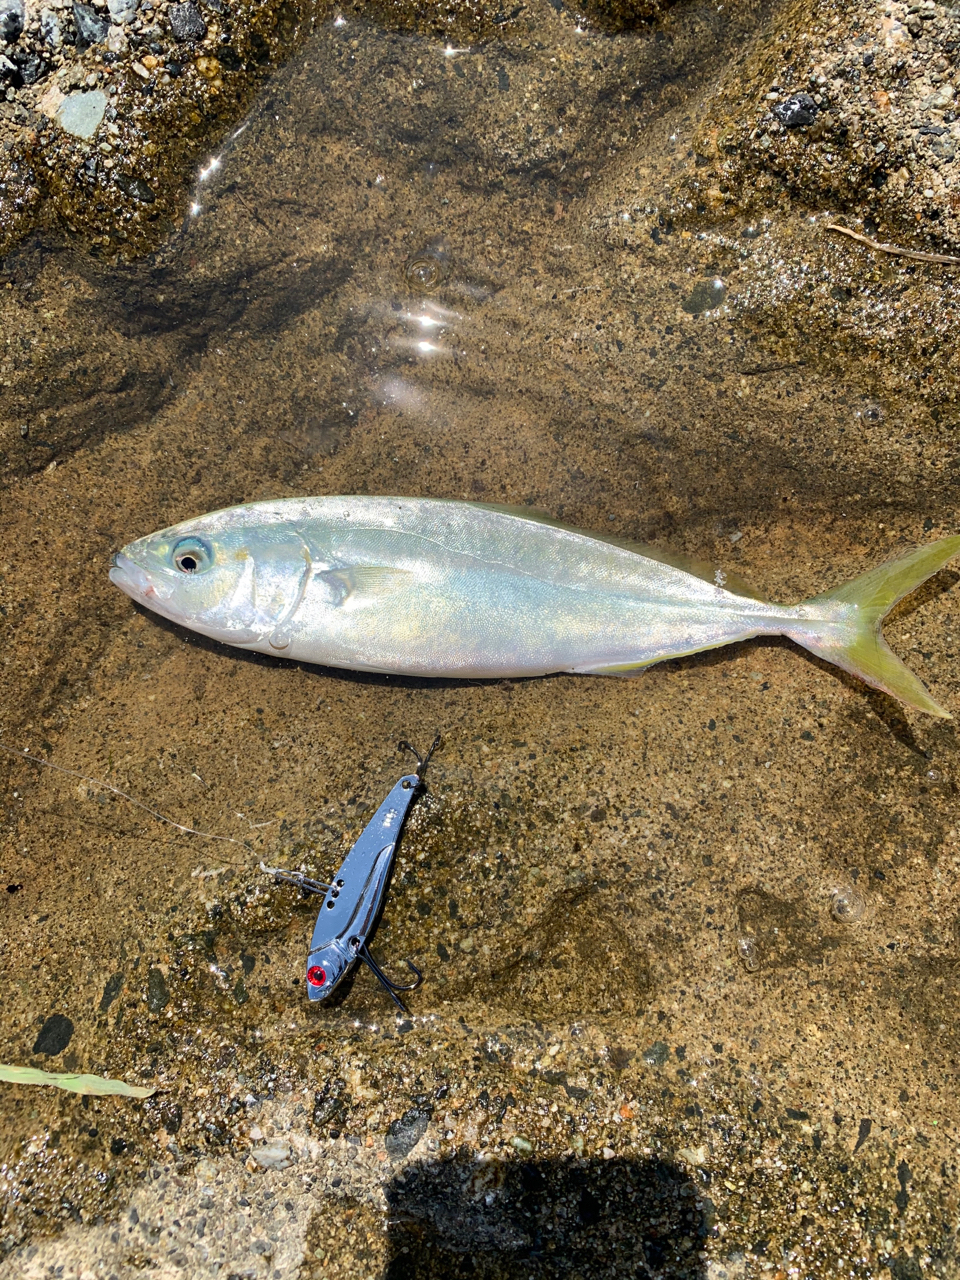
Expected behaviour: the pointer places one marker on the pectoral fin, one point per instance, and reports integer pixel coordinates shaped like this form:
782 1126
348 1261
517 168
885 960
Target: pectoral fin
364 584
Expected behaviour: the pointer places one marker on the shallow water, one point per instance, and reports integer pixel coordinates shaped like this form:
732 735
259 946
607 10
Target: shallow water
689 940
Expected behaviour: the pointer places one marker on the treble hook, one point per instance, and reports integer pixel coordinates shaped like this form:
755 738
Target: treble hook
389 986
298 878
404 745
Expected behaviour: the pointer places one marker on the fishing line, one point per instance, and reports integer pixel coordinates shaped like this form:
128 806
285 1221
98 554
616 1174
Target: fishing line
96 782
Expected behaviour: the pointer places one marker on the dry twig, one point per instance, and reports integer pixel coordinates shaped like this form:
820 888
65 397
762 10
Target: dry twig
916 255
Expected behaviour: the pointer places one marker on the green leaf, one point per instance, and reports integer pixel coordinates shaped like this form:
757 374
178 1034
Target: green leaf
99 1086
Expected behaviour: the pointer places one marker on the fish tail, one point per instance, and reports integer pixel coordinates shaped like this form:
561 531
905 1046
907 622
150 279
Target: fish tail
851 639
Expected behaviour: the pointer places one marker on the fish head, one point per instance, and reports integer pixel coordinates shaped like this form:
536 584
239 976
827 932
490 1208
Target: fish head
325 967
234 575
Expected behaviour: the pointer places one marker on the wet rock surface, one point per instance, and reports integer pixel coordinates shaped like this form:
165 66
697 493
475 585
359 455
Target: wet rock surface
689 940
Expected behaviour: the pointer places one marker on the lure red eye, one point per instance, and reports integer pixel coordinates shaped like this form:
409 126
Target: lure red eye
316 976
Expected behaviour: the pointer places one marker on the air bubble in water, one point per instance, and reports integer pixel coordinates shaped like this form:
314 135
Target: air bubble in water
426 270
848 905
748 953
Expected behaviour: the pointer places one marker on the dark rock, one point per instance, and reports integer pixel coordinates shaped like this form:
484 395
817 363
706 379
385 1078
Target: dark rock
91 27
136 188
404 1134
33 69
11 20
157 993
944 148
705 295
54 1035
186 22
657 1054
111 991
797 110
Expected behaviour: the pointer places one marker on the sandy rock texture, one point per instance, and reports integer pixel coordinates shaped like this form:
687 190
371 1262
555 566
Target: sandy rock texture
109 109
690 941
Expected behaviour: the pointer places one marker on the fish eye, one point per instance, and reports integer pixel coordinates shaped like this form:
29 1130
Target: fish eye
192 555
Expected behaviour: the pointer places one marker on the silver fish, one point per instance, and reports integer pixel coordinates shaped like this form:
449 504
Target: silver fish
422 587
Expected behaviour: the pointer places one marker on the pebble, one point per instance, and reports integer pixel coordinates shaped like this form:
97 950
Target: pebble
81 113
186 22
50 29
12 15
273 1155
705 295
404 1134
122 11
91 27
54 1035
796 111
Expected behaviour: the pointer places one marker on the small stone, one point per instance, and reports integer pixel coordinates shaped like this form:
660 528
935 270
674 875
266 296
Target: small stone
12 15
657 1054
91 27
705 295
523 1145
122 11
943 148
273 1155
205 1171
404 1134
33 69
796 111
54 1036
186 22
81 113
157 994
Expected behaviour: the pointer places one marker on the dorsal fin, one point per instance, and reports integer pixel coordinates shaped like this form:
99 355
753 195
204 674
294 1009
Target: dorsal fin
675 559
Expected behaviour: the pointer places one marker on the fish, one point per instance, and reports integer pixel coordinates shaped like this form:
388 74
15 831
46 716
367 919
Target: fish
437 588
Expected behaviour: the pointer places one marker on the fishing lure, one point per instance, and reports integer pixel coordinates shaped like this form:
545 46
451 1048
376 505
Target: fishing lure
419 587
353 901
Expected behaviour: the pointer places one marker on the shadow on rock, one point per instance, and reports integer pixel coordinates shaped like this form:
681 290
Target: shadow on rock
557 1217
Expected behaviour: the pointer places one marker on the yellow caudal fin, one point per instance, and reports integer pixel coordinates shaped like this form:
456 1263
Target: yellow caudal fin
859 646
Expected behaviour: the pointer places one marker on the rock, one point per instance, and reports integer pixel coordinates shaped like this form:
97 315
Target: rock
50 31
33 68
81 113
11 20
54 1036
186 22
797 110
137 189
91 27
157 994
122 11
705 295
657 1053
273 1155
404 1134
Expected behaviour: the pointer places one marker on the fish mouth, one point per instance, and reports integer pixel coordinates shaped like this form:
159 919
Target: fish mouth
130 578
